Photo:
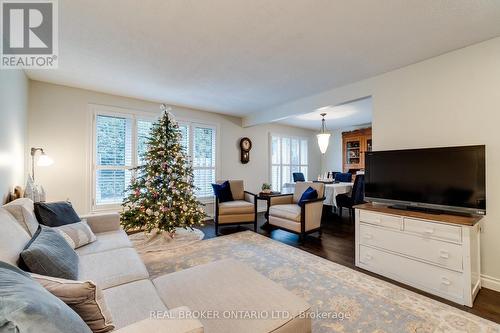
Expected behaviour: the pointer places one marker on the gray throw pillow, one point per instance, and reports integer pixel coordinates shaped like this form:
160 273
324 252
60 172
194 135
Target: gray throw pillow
25 306
49 254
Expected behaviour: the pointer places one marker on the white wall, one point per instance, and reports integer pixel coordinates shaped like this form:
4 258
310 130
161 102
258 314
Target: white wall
449 100
59 122
13 124
453 99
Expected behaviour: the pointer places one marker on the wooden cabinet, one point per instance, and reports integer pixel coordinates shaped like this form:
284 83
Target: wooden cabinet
439 254
355 144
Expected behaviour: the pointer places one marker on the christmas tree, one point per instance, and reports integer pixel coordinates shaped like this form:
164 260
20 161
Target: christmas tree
161 195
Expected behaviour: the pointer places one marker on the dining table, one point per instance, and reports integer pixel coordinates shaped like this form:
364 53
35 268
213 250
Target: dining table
331 191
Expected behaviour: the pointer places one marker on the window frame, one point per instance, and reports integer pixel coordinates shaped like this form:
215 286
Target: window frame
112 111
281 164
192 123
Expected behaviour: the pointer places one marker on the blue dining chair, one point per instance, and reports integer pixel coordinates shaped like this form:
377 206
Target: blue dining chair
298 177
343 177
357 196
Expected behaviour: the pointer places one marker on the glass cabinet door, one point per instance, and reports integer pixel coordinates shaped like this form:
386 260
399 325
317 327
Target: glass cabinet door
353 151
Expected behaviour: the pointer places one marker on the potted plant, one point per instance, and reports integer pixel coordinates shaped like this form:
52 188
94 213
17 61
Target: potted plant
266 188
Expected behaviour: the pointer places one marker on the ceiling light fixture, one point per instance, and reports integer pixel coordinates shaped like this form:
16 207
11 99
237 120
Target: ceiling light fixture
323 136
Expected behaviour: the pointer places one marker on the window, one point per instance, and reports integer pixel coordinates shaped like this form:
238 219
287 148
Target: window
288 155
120 143
199 142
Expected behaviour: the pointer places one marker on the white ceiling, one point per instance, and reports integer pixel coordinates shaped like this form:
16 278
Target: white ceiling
341 116
237 57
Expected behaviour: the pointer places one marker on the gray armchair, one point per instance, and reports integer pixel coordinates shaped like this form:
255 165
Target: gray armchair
242 210
286 214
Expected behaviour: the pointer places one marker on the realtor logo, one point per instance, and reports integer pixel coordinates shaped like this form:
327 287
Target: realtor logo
29 34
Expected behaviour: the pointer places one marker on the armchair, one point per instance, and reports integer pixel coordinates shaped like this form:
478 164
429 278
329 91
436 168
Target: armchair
242 210
286 214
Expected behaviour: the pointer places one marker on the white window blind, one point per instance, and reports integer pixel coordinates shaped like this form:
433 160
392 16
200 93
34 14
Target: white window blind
199 141
288 155
120 143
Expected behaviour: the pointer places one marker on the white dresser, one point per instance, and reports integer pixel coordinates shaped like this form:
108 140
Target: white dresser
437 253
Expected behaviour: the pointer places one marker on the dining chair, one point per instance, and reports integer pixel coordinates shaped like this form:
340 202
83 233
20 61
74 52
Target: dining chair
298 177
343 177
357 196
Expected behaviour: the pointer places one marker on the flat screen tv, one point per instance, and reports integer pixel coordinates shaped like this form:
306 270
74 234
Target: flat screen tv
450 179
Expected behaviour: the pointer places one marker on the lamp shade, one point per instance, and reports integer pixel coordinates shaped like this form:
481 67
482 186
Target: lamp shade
44 160
323 140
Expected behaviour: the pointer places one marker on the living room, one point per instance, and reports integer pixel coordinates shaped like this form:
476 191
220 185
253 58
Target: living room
437 88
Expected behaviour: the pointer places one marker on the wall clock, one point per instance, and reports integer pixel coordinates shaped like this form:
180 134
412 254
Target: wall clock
245 146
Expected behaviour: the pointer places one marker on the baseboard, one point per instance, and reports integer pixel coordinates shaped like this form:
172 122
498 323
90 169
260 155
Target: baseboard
490 282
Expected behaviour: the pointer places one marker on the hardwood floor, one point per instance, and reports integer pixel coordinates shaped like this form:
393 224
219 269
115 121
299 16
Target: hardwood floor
337 245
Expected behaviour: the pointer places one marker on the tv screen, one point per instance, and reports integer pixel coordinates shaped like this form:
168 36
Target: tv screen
451 178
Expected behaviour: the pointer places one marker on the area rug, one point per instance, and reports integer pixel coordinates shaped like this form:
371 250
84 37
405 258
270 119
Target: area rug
367 303
160 242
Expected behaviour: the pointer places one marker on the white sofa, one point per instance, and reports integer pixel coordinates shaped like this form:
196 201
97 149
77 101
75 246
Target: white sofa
114 265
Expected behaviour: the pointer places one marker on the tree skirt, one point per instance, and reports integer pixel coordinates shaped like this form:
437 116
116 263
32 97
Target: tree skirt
152 242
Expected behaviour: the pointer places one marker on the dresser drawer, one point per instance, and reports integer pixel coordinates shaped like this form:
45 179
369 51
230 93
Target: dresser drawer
424 276
438 252
433 230
388 221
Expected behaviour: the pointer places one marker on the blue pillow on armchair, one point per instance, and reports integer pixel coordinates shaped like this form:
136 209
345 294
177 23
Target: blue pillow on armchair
223 191
308 194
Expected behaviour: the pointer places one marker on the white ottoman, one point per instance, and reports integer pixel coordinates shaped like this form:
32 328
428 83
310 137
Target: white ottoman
234 298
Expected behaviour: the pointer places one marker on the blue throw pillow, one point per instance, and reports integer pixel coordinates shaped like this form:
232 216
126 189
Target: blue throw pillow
26 306
55 214
223 191
48 253
308 194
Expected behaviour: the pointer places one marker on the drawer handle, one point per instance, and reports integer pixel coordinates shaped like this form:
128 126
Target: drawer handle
429 231
445 281
444 254
368 236
368 257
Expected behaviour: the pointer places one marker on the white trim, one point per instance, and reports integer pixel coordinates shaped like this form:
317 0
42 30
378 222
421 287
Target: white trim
112 111
490 282
281 164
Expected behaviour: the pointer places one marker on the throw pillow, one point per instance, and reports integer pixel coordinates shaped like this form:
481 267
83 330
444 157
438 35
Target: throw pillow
223 191
55 214
48 253
28 307
23 211
308 194
76 234
84 297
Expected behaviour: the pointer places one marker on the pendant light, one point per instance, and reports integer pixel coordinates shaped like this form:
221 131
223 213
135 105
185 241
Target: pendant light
323 136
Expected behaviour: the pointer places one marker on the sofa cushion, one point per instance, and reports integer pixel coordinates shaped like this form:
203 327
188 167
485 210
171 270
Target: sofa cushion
236 207
109 240
48 253
145 300
55 214
84 297
76 234
289 212
28 307
13 238
23 211
112 268
237 189
243 290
